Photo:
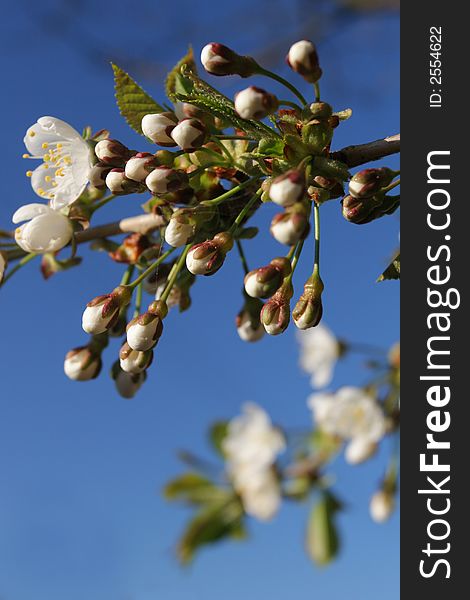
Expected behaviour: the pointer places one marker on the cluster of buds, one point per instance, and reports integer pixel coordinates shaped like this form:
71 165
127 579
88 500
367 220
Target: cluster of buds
367 200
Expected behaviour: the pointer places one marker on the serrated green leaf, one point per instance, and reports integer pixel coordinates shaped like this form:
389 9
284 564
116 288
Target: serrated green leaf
176 82
133 102
392 271
322 541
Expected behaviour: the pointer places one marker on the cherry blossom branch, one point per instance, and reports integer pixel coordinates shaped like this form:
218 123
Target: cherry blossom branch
364 153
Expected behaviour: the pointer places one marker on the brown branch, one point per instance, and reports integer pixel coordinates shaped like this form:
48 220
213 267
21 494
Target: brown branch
364 153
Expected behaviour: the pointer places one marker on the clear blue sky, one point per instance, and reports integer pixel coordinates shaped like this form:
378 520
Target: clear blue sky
81 514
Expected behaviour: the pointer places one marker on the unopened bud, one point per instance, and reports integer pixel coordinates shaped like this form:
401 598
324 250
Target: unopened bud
357 210
112 152
158 127
368 182
303 59
127 384
180 229
189 134
288 188
308 310
263 282
291 226
248 321
139 166
218 59
184 110
97 175
82 364
381 506
317 134
133 361
118 183
164 180
255 103
207 257
275 314
144 331
101 313
359 450
320 110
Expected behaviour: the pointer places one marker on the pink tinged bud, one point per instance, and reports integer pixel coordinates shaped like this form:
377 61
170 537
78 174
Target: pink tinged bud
287 189
144 331
139 166
290 227
158 127
112 152
133 361
255 103
218 59
309 310
183 110
357 210
359 450
207 258
103 311
81 364
263 282
368 182
179 231
381 506
275 314
97 175
189 134
164 180
127 384
303 59
118 183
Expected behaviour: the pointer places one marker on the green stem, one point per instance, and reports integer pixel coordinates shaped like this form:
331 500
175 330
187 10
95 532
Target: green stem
234 137
291 104
316 212
150 269
24 261
102 202
202 168
316 86
224 149
228 194
296 255
284 82
175 269
127 275
394 184
242 214
138 301
242 257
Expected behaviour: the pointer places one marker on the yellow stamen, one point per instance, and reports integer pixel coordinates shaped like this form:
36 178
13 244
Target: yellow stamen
46 157
31 133
47 178
26 155
45 145
29 173
59 146
40 191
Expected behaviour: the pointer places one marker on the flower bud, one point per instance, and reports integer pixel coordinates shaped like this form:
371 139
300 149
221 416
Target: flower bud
275 314
255 103
158 127
189 134
359 450
308 310
144 331
102 312
183 110
112 152
368 182
97 175
118 183
180 229
381 506
218 59
133 361
303 59
140 165
291 226
320 110
248 321
288 188
357 210
82 364
207 258
263 282
163 180
127 384
317 135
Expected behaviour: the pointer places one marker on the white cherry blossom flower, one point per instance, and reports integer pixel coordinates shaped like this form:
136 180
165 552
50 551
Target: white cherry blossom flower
319 352
66 160
47 230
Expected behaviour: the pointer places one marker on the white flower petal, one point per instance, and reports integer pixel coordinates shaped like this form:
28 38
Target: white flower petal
29 211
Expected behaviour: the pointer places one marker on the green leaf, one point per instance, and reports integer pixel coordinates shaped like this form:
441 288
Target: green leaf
217 434
331 168
322 541
191 487
392 271
176 82
270 147
133 102
211 524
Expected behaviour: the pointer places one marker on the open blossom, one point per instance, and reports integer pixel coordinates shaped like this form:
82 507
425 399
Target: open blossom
251 446
47 230
67 161
319 352
352 415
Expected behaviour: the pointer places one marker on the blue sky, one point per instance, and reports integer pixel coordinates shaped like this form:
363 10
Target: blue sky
81 513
